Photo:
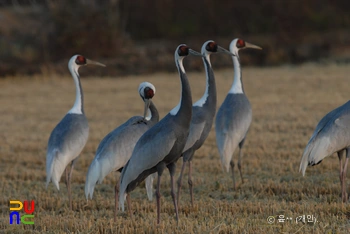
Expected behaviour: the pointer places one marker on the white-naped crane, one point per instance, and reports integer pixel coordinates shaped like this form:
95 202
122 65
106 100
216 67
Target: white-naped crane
69 137
234 115
332 135
162 145
203 112
116 148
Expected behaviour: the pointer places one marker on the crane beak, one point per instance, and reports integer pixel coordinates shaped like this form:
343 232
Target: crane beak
248 45
195 53
147 103
88 61
224 51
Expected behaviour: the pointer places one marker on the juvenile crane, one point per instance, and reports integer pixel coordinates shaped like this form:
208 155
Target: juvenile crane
332 135
234 115
116 148
69 137
203 112
162 145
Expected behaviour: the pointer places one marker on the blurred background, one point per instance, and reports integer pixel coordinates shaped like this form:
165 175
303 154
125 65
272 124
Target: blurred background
140 36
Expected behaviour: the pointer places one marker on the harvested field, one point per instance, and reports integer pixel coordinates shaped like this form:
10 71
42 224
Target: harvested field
287 104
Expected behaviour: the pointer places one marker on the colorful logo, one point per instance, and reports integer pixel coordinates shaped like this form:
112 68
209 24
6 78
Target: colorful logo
28 218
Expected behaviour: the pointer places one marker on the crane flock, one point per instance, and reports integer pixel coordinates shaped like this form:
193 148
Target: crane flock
143 146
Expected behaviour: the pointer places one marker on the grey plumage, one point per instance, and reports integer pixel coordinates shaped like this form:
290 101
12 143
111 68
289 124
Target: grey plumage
232 124
115 149
66 142
332 135
69 137
162 145
234 115
203 112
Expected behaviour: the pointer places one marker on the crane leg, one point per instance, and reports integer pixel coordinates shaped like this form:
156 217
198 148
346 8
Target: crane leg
160 169
116 192
68 186
68 183
344 194
190 184
340 156
240 159
179 181
239 164
342 173
232 164
172 168
129 204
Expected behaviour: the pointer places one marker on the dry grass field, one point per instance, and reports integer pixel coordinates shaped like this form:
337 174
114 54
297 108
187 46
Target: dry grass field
287 104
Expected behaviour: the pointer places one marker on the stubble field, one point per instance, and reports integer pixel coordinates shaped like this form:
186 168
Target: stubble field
287 104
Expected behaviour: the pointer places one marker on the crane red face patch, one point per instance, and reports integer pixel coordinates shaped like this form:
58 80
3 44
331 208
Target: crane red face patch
183 51
80 60
240 43
212 47
149 93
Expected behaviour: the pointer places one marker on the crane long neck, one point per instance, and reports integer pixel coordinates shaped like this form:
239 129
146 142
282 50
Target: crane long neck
209 97
78 107
184 109
153 114
237 86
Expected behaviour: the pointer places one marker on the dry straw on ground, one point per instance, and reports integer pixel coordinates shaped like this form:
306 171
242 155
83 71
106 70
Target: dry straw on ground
287 103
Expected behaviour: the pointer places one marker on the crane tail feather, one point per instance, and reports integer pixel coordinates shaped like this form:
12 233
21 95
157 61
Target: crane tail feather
226 150
304 161
54 169
92 177
315 151
122 198
149 186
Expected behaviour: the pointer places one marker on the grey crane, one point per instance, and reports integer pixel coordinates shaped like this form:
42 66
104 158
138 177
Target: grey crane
234 115
332 135
203 112
116 148
162 145
69 137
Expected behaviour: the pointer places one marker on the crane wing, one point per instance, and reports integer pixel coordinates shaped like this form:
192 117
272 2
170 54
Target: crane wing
323 122
231 126
151 148
65 144
110 137
196 130
343 122
114 151
331 135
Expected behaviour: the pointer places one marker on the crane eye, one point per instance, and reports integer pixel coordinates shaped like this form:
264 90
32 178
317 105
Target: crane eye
240 43
183 51
148 93
212 47
80 60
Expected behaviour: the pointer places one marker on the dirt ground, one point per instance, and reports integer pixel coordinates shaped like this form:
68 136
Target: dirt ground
287 104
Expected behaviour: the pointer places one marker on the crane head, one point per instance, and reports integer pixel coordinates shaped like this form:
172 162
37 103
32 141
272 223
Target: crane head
146 91
211 46
238 44
78 60
183 50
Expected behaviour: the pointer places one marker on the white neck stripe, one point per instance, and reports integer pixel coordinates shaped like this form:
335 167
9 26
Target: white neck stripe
237 77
